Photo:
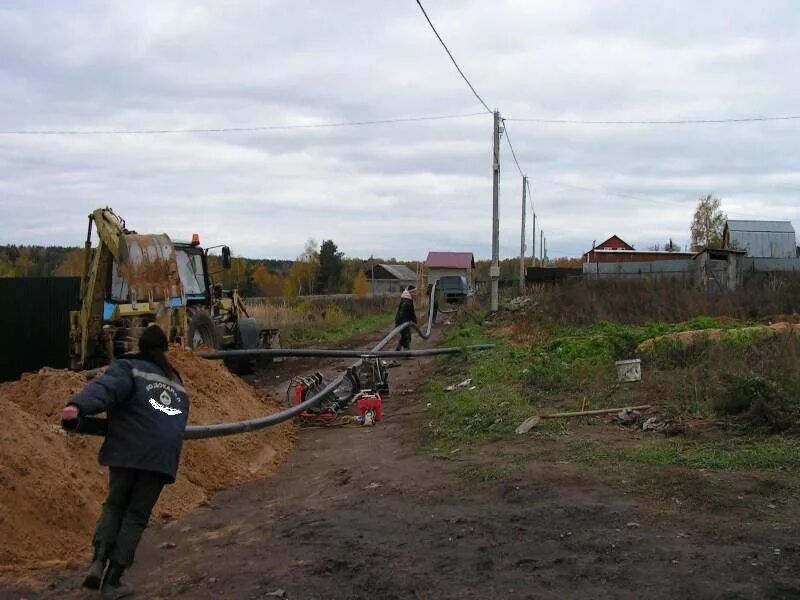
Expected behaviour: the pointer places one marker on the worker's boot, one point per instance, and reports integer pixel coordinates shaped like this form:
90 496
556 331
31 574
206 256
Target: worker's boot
113 587
97 569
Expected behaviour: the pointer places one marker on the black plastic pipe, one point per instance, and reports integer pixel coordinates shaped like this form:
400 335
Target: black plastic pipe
325 352
199 432
196 432
95 426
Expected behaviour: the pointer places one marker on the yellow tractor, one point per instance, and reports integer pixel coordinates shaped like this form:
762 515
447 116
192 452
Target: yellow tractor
131 280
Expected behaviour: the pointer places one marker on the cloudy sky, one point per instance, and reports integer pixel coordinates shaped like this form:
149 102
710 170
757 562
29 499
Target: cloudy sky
394 189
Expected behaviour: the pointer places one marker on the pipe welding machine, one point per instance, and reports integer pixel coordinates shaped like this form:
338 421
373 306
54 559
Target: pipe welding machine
362 387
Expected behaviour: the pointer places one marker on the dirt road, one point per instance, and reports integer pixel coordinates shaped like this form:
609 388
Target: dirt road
363 513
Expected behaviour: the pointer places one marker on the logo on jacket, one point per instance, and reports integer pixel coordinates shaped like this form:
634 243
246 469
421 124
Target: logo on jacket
165 409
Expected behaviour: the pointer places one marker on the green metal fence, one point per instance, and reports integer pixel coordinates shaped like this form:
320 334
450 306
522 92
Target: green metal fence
34 323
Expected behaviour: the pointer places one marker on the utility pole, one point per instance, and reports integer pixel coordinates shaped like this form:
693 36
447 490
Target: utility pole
533 241
494 270
522 238
541 247
545 250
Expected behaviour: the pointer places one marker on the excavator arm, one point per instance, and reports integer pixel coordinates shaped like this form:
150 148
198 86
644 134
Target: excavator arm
147 264
87 324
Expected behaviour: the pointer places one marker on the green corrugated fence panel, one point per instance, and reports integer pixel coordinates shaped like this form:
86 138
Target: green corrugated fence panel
34 323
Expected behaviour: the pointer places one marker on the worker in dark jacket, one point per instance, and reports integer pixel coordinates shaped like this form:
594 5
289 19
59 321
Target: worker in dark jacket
147 409
406 313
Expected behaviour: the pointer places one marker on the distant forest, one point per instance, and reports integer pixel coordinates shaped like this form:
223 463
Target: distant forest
65 261
34 261
320 269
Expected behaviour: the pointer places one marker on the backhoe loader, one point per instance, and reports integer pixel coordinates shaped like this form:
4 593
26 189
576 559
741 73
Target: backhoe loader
131 280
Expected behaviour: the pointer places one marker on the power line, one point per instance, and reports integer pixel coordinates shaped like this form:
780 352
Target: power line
608 193
656 121
446 49
530 192
514 154
233 129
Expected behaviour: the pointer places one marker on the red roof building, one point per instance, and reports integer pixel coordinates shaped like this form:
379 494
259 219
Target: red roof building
617 250
450 260
441 264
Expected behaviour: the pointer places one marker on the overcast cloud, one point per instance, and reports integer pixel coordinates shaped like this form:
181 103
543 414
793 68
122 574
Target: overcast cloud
396 189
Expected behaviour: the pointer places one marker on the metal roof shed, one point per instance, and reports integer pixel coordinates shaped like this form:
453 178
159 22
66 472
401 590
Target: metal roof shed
399 272
761 239
389 279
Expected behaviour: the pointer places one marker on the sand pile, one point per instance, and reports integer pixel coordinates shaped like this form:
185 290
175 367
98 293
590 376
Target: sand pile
51 486
688 338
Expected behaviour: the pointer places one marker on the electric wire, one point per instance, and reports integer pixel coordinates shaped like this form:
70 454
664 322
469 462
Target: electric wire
656 121
606 192
389 121
534 223
236 129
452 58
510 145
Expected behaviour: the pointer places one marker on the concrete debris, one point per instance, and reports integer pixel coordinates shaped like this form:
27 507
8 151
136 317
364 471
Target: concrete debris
279 593
667 427
167 545
653 424
519 303
455 386
675 429
628 416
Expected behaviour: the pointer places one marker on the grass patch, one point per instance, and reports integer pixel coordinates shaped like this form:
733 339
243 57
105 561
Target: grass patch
336 329
485 473
574 367
776 488
490 412
494 408
616 341
751 382
764 454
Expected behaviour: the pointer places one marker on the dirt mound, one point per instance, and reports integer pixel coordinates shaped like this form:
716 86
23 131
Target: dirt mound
687 338
51 486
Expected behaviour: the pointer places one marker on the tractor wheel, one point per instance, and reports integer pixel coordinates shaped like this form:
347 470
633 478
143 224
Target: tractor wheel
202 331
246 339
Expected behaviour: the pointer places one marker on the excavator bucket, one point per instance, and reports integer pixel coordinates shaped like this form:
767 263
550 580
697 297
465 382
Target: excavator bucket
147 262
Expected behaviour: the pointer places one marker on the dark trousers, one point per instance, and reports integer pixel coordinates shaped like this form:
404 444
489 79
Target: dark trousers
132 494
405 339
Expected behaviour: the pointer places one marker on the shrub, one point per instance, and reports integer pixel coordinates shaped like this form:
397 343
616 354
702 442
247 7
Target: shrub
334 315
758 402
583 302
